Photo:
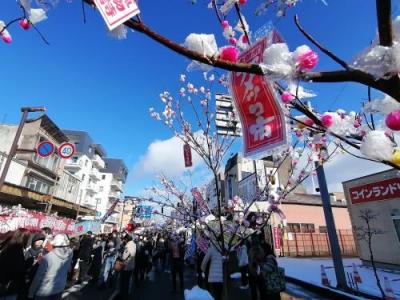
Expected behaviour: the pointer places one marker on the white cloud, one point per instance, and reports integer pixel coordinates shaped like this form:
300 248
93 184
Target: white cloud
164 156
346 167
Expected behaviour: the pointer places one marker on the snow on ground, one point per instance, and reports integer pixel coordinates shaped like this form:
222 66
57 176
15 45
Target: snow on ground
309 270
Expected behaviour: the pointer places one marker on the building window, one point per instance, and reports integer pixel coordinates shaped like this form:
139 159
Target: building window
322 229
75 158
86 162
306 228
396 222
103 177
293 227
101 188
38 185
83 177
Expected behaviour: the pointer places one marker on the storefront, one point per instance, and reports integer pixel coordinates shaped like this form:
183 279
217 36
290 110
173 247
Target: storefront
376 198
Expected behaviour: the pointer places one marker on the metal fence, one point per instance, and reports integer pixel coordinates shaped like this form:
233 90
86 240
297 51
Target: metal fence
317 244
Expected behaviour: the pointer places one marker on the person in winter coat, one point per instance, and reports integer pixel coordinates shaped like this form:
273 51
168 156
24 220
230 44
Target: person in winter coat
12 263
85 253
110 255
262 261
97 259
33 256
128 258
51 276
177 249
215 276
243 260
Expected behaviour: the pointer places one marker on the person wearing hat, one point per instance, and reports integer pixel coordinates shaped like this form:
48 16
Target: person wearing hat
33 256
51 276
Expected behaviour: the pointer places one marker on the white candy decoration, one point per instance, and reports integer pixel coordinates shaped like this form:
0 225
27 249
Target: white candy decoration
377 145
278 62
37 15
119 33
383 106
204 44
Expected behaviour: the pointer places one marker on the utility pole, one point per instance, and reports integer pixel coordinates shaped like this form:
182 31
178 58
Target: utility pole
14 147
331 228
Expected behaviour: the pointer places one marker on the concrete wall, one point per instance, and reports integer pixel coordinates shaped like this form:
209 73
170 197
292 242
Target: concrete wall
296 213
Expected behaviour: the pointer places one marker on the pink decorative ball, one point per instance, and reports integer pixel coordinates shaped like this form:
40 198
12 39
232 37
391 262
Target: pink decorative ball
6 38
308 60
225 24
327 120
229 53
24 24
232 41
393 120
287 97
309 122
242 2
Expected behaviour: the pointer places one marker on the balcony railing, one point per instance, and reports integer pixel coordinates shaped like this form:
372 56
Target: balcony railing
95 174
117 185
91 188
73 165
98 161
115 195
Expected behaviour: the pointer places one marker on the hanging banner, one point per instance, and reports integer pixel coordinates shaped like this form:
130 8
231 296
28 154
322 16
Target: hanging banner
202 205
261 116
34 221
187 154
109 211
116 12
277 238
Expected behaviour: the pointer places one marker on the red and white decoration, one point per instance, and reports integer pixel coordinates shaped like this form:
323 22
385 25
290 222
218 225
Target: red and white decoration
116 12
261 116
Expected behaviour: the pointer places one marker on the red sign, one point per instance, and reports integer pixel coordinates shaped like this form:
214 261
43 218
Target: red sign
277 238
261 116
35 221
187 154
116 12
200 200
66 150
377 191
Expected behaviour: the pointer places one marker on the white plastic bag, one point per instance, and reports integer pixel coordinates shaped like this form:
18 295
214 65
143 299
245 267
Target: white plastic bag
197 293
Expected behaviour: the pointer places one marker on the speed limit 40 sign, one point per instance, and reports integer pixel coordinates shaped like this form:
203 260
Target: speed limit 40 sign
66 150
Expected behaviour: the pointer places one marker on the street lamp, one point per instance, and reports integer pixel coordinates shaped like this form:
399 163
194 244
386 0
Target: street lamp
25 111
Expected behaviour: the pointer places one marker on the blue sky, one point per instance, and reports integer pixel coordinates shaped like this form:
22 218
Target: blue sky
105 87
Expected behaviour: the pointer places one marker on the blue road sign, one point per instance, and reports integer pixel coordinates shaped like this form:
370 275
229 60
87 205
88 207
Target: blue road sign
45 149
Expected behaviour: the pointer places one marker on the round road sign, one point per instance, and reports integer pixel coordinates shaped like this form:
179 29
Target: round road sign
66 150
45 149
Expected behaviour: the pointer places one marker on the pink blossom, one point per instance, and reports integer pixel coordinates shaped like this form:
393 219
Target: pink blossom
327 120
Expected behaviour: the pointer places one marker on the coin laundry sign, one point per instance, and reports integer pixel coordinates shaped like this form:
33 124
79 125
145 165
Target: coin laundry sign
116 12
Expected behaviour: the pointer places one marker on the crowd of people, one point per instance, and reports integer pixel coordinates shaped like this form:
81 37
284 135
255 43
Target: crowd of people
40 265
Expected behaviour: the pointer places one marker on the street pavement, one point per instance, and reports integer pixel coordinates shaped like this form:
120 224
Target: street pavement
158 286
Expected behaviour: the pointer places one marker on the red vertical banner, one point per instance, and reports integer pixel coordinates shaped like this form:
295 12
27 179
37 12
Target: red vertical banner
277 238
261 116
187 154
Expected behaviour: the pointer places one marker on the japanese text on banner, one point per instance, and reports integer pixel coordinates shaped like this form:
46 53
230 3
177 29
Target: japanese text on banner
116 12
261 116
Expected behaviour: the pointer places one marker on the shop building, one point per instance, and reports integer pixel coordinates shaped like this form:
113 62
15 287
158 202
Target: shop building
376 195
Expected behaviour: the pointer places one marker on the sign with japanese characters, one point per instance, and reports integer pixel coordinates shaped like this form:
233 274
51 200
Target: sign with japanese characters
261 116
116 12
377 191
187 154
35 221
277 238
198 197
